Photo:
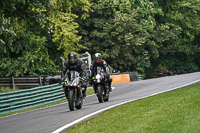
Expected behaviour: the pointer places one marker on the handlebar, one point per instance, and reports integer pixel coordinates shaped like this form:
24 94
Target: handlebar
62 58
63 80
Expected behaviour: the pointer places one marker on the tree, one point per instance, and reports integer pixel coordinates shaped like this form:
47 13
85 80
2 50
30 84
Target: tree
34 34
183 15
124 32
63 23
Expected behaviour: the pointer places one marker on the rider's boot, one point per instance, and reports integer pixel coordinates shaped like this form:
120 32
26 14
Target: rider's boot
109 84
84 92
109 87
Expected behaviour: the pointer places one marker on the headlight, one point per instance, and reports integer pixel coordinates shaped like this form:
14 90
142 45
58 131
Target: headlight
98 76
98 80
74 84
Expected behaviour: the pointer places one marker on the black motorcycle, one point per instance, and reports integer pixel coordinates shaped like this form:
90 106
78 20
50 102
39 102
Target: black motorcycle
72 90
100 86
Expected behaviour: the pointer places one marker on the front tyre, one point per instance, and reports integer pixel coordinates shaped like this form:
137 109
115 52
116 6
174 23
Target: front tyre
106 95
71 101
80 105
106 98
79 102
100 93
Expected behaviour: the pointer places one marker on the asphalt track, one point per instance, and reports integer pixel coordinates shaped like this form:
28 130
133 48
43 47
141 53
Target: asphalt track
59 118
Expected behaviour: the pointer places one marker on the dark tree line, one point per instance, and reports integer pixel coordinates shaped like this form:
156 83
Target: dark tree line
132 35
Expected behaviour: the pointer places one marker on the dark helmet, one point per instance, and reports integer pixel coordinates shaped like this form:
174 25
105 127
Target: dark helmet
72 57
97 58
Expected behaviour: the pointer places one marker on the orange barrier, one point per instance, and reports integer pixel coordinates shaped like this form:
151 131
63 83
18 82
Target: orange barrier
120 78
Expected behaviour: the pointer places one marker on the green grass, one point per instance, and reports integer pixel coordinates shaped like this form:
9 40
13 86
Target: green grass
89 92
6 89
176 111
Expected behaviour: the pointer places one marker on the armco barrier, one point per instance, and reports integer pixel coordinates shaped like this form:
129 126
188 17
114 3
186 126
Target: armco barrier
120 78
140 77
125 77
23 99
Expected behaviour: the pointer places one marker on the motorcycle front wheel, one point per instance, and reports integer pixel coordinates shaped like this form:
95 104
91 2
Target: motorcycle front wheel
100 93
106 95
79 102
106 98
80 105
71 101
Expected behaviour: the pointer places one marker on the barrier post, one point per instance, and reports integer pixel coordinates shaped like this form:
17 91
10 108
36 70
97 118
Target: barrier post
40 81
13 82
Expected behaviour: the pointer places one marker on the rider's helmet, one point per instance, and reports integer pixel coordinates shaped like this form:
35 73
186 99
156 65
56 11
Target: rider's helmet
72 57
97 58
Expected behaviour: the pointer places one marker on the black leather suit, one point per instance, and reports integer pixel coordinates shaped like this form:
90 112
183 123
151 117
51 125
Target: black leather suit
94 66
103 65
77 66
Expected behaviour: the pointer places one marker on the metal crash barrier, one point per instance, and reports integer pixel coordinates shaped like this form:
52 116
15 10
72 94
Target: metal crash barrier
23 99
124 77
120 78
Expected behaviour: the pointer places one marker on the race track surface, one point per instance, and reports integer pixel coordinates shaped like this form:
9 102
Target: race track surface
49 119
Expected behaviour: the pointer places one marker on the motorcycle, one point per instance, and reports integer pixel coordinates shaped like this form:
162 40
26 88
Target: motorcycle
72 90
100 86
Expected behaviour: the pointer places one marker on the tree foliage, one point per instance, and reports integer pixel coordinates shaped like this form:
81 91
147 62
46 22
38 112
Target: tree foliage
178 54
132 35
125 32
143 35
34 34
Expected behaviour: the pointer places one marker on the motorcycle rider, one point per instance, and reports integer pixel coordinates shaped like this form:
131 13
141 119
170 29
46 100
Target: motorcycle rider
98 62
74 64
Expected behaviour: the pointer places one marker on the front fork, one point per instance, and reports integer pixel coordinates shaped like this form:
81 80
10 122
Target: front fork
95 88
77 93
67 89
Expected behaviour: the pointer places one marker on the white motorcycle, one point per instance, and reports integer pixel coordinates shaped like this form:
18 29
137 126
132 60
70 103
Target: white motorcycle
100 86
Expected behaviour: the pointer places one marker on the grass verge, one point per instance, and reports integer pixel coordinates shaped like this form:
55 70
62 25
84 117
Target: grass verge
89 92
176 111
5 89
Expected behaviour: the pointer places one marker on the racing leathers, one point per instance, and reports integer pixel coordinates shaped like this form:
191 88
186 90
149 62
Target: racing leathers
77 66
103 65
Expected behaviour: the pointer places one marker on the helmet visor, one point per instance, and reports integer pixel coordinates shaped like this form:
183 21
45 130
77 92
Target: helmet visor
72 59
97 59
